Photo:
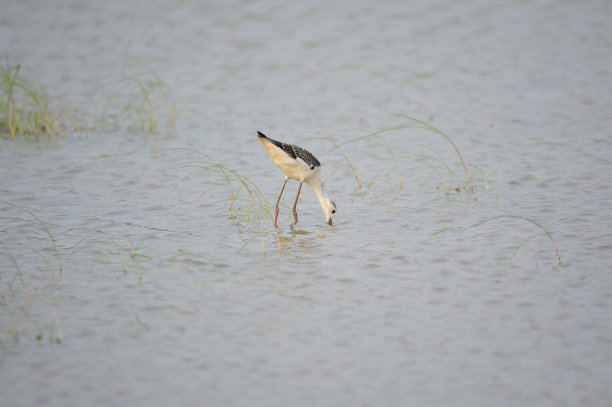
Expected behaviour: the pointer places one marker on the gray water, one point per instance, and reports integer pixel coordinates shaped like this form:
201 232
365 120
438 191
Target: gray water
149 287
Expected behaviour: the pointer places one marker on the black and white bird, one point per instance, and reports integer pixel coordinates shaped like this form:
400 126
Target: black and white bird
300 165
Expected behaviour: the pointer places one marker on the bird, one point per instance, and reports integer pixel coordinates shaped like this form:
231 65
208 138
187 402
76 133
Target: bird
298 164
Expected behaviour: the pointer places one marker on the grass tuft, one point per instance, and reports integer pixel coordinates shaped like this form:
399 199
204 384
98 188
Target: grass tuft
245 197
144 104
25 107
427 126
451 181
527 220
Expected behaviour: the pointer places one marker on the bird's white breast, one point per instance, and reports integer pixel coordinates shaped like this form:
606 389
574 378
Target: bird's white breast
296 169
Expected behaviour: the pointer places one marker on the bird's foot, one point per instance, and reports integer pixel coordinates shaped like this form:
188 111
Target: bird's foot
295 219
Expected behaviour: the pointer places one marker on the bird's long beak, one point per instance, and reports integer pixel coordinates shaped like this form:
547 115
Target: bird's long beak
329 222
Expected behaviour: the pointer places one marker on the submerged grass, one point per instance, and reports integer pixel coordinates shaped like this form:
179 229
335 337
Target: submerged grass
35 293
452 182
186 257
18 273
42 225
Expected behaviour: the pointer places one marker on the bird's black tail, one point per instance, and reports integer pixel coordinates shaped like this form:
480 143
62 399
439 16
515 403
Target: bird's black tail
287 148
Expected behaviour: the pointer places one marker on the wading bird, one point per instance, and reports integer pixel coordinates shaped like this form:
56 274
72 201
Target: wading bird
300 165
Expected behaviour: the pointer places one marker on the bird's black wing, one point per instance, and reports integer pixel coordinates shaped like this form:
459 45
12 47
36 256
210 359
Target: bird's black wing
294 152
307 156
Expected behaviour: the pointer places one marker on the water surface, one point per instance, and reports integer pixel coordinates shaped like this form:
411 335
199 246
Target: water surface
148 287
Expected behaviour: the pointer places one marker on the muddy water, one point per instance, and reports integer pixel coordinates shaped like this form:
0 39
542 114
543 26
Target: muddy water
128 277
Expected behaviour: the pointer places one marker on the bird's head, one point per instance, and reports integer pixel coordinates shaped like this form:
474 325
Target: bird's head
329 209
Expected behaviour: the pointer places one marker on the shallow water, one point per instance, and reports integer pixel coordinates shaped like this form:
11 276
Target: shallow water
148 287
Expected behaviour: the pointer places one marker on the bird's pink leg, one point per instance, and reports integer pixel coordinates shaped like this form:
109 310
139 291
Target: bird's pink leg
277 201
295 219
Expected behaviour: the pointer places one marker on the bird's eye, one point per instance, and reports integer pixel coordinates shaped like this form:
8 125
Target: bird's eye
333 211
